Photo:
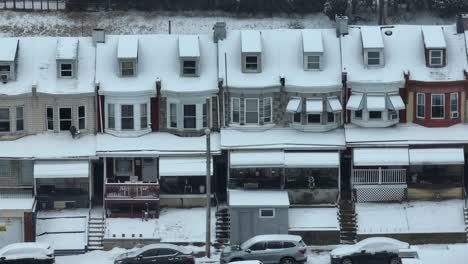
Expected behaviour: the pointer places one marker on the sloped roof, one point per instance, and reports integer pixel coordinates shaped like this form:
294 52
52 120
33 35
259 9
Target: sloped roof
371 37
189 46
251 41
8 48
67 48
128 47
312 41
433 37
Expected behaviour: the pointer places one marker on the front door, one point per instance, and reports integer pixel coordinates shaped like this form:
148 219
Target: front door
149 170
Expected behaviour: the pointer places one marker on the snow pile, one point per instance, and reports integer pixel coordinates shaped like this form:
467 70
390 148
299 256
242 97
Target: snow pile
131 228
320 219
185 225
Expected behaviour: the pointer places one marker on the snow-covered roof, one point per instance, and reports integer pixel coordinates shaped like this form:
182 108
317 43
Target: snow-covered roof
433 37
37 66
16 200
371 37
26 250
256 159
380 157
270 237
312 41
282 55
281 138
312 159
314 105
61 169
8 49
67 48
189 46
183 166
406 134
39 147
127 47
370 245
245 198
404 51
294 105
437 156
375 102
155 144
161 63
251 41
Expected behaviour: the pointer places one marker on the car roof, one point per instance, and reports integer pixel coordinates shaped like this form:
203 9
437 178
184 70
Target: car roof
164 245
24 245
278 237
382 240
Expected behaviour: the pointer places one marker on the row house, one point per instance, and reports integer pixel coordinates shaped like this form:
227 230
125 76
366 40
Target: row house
157 97
406 89
46 128
282 93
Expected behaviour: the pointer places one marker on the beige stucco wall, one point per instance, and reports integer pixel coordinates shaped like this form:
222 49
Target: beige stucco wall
410 107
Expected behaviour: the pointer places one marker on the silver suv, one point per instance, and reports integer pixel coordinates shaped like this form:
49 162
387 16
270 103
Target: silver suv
269 249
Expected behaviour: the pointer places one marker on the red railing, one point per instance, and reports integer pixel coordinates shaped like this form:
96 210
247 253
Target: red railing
118 191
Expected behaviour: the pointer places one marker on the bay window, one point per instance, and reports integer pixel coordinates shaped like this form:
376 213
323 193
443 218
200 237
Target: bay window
437 106
454 105
187 116
4 120
420 105
65 118
126 117
251 111
375 115
190 116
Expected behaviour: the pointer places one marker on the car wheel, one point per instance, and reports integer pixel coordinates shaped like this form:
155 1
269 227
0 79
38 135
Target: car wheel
395 260
346 261
287 260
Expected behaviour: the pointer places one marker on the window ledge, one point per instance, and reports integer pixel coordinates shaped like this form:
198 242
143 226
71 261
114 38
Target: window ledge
375 123
314 128
127 133
252 127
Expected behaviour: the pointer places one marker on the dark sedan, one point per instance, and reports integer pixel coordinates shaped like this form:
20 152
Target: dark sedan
157 253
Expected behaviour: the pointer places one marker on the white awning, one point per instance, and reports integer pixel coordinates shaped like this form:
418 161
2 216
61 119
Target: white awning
376 103
294 105
354 102
189 46
312 159
334 104
127 47
183 166
61 169
437 156
314 106
395 102
380 157
256 159
244 198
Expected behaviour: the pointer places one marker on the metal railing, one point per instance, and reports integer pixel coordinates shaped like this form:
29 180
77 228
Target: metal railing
379 176
132 191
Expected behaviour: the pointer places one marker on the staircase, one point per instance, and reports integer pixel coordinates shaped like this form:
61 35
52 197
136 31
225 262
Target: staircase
223 226
96 228
465 212
348 225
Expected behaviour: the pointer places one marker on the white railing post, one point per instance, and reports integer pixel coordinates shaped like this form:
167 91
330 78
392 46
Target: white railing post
380 175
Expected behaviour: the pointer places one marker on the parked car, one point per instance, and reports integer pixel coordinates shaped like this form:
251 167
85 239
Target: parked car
157 253
283 249
375 250
27 253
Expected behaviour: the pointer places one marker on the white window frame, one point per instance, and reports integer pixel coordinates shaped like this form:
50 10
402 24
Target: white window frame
65 120
144 106
109 116
245 111
421 103
260 210
247 69
81 117
443 106
7 120
368 58
439 56
127 117
266 99
184 117
71 70
308 63
122 69
19 119
454 113
47 118
117 173
238 109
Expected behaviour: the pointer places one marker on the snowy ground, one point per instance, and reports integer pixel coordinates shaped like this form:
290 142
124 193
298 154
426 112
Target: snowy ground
136 22
428 254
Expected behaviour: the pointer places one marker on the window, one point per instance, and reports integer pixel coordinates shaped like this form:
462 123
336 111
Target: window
297 117
4 120
150 253
251 63
190 116
435 57
314 118
19 118
110 116
127 68
123 167
66 70
267 110
166 252
126 117
454 105
358 114
204 116
235 110
173 115
4 68
189 67
274 245
267 213
258 246
420 105
288 244
373 58
437 106
251 111
375 115
330 117
313 62
50 118
81 117
65 118
143 116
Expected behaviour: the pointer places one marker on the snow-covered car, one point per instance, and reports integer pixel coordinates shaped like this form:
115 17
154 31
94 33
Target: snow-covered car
269 249
370 251
157 253
28 252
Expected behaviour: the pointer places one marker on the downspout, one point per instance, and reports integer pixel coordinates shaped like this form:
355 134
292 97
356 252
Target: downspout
225 90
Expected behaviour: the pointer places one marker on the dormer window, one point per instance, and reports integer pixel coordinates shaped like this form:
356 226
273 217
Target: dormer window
67 56
66 70
127 55
8 58
313 62
189 55
312 48
373 58
251 49
373 46
434 45
435 57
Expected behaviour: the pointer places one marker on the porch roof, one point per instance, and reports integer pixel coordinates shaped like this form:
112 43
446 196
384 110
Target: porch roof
19 200
312 159
61 169
437 156
186 166
278 158
243 198
256 159
380 157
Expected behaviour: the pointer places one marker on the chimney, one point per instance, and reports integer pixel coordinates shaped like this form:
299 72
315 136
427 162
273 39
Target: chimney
99 35
34 90
462 23
341 23
158 87
219 31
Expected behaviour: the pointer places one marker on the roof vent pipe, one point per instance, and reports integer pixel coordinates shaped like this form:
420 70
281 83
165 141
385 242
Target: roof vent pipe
219 31
341 24
99 35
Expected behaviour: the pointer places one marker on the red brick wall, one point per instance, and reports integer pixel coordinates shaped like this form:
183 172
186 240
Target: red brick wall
154 114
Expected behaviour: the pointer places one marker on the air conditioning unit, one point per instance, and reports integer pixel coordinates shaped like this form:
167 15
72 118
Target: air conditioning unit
454 114
4 77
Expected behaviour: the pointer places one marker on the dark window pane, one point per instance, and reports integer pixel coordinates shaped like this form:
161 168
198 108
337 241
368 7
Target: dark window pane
65 125
288 245
274 245
66 66
258 246
358 114
4 126
267 212
251 59
127 110
127 123
297 117
189 110
4 68
81 111
330 117
5 114
313 118
375 115
65 113
189 63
